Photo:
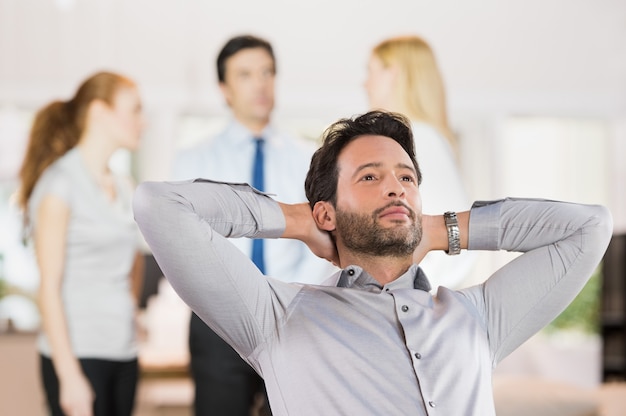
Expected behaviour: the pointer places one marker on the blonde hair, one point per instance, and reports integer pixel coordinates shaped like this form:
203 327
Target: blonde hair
419 88
58 127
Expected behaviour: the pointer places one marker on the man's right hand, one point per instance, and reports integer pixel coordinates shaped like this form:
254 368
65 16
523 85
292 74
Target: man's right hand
300 225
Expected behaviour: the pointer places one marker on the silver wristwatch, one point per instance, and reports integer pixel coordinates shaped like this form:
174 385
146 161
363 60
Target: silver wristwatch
454 235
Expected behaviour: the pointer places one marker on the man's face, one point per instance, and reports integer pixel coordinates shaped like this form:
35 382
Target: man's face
249 85
379 207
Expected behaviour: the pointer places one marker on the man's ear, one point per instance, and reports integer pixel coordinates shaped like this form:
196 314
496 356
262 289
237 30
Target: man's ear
324 215
225 92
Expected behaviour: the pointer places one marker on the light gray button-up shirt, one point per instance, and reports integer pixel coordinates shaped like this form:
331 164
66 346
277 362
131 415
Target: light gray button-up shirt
359 348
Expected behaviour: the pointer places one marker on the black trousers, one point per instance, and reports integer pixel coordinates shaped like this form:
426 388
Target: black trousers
225 385
113 382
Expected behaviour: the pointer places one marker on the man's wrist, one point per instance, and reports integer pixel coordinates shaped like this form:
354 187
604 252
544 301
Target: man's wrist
454 234
298 219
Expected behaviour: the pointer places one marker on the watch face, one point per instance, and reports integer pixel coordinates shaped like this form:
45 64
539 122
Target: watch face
450 218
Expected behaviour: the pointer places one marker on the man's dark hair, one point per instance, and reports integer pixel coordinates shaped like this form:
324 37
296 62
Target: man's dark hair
237 44
321 180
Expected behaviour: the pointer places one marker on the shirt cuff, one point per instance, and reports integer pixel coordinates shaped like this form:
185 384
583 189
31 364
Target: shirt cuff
484 225
272 219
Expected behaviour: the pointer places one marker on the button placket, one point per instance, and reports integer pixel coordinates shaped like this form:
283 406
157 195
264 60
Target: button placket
410 312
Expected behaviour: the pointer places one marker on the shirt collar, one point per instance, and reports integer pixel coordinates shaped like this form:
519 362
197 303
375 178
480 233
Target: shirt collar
355 277
239 135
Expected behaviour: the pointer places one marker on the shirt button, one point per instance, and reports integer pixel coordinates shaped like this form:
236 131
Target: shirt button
351 272
432 404
405 308
418 355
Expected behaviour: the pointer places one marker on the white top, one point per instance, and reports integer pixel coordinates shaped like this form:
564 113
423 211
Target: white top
229 156
442 190
102 240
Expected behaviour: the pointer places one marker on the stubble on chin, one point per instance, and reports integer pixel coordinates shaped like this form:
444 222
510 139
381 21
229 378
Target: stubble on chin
363 233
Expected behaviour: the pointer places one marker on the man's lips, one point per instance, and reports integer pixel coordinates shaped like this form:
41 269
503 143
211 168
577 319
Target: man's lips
396 211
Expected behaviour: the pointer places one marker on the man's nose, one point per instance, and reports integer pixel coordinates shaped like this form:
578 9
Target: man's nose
394 187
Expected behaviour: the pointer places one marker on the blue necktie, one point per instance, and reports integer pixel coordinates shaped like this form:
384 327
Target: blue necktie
258 179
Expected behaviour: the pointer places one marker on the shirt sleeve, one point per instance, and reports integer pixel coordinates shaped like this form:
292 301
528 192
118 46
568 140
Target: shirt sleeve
562 244
186 224
54 182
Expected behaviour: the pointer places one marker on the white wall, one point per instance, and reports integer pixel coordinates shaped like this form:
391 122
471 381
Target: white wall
521 54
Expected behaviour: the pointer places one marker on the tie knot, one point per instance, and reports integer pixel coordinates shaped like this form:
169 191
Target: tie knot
259 145
258 168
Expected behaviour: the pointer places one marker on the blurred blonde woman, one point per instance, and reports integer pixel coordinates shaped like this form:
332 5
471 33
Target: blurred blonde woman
403 76
79 215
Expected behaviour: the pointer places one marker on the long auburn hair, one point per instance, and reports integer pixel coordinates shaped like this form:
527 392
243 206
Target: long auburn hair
420 89
58 126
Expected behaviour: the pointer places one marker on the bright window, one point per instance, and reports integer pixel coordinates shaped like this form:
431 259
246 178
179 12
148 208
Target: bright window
554 158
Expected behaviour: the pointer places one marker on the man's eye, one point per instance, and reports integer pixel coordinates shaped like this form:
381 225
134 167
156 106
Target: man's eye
407 178
368 178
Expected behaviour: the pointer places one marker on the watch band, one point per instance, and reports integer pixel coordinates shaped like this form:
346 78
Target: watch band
454 235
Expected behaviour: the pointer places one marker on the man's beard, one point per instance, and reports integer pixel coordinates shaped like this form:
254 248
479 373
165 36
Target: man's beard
361 233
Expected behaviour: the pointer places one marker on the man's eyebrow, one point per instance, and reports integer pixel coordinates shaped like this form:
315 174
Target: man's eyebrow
365 166
405 166
379 164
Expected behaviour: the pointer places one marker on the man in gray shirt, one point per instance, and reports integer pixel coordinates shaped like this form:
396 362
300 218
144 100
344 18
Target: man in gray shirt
374 341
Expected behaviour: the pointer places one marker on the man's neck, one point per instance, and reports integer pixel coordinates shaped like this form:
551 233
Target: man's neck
256 126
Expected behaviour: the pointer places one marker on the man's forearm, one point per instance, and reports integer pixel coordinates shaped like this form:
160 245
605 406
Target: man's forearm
232 210
185 224
562 245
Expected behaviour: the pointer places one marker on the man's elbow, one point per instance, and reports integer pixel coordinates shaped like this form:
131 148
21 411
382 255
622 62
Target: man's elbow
604 220
597 231
145 200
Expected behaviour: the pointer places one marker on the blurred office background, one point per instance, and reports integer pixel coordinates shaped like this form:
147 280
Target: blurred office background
536 94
